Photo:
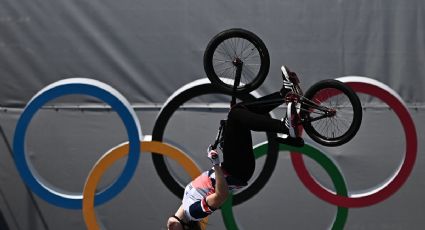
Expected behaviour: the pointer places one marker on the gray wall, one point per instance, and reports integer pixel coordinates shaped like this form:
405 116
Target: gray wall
147 50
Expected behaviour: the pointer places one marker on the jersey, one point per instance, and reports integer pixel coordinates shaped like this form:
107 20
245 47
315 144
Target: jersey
194 200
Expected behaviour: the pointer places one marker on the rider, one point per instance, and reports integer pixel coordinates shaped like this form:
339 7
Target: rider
208 192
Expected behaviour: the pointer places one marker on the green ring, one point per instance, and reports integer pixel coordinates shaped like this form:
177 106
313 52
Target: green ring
319 157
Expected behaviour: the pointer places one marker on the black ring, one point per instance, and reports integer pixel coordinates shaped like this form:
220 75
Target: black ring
184 94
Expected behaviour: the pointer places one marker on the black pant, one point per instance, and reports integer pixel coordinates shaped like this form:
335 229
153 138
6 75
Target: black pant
238 155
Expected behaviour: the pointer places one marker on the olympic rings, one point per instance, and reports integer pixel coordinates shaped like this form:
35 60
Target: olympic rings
319 157
371 196
184 94
118 152
76 86
102 91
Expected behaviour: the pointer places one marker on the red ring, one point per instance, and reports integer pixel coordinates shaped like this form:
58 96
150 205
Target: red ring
371 87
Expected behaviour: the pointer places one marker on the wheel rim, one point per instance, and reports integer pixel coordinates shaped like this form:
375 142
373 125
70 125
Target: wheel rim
231 51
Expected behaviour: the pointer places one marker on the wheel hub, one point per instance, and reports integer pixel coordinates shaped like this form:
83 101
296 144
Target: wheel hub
331 113
237 62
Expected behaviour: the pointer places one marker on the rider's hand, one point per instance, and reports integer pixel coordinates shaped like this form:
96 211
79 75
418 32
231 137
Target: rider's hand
213 156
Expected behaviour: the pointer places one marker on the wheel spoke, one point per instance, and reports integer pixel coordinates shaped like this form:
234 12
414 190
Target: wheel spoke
231 49
337 125
247 72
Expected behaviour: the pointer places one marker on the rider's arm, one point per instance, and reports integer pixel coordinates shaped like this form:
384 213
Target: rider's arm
216 199
173 222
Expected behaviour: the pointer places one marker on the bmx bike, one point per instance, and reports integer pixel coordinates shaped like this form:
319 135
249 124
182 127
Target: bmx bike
237 61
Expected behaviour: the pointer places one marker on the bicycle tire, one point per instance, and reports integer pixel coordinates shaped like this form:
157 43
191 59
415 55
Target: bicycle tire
330 93
234 39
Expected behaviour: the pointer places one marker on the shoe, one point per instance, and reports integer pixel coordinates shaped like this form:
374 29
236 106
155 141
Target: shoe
291 120
287 86
293 141
285 121
290 82
292 138
289 76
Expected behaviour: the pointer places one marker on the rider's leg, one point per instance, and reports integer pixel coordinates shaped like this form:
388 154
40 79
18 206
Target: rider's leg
264 104
238 157
251 120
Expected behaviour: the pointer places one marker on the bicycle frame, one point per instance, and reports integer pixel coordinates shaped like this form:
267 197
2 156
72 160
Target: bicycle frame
296 96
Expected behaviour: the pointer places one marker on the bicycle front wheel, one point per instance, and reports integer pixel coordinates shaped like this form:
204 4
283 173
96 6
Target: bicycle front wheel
234 46
331 113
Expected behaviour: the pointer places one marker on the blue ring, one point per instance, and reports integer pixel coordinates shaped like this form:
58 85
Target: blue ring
69 200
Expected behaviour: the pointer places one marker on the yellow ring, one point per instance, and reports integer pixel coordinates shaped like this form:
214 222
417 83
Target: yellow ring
115 154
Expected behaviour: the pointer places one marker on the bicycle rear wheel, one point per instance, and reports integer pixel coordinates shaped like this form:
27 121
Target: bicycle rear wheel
332 113
234 46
